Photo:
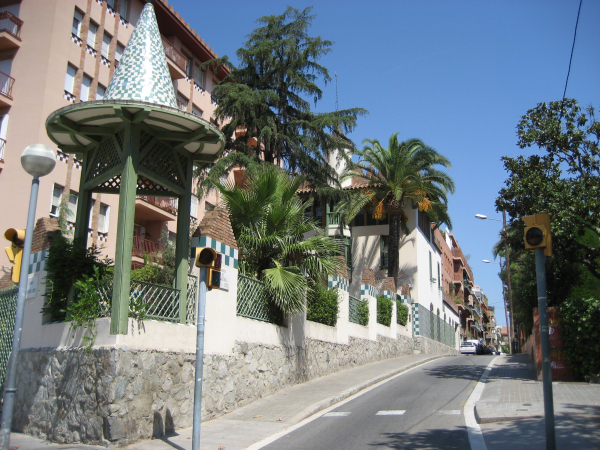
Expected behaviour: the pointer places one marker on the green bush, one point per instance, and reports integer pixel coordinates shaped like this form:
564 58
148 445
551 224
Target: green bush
363 312
401 313
581 337
323 306
384 311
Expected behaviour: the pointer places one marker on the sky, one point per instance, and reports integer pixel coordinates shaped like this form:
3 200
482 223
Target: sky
456 74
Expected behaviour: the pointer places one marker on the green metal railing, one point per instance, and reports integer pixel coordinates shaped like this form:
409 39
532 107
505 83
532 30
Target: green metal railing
8 309
252 300
353 312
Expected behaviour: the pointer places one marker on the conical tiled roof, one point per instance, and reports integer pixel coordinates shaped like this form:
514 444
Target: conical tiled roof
143 74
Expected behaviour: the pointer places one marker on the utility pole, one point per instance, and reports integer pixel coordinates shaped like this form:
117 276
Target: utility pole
511 334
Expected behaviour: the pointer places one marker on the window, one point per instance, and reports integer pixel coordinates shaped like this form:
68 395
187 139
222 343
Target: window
100 92
103 218
384 251
105 45
182 102
189 66
56 196
119 52
77 19
111 3
199 76
91 38
424 224
72 207
123 9
430 268
439 278
194 207
196 111
85 88
370 219
70 78
359 220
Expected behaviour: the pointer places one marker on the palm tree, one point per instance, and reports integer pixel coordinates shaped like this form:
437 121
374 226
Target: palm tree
403 171
271 228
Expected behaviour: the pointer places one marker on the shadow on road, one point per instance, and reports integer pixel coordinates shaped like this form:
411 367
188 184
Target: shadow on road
453 439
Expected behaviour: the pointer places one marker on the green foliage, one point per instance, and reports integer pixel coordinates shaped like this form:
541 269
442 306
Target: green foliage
401 313
564 182
363 312
66 263
270 226
264 98
385 308
323 306
581 337
404 172
85 308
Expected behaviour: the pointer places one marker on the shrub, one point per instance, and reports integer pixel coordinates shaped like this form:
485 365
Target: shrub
384 311
581 337
401 313
323 306
363 312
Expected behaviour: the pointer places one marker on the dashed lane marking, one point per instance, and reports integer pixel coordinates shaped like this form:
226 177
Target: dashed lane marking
449 412
336 414
397 412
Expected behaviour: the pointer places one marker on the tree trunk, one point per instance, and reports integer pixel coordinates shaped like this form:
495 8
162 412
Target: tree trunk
394 247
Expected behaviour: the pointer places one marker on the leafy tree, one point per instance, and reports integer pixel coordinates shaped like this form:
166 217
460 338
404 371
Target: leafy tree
263 106
564 182
403 172
271 228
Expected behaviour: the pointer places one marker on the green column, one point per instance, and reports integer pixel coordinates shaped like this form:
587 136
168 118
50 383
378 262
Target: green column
124 238
183 243
84 202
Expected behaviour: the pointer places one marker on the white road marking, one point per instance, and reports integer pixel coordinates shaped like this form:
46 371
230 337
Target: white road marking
448 412
336 414
397 412
475 435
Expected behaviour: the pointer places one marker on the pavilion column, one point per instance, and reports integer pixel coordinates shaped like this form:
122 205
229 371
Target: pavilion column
183 243
84 202
125 224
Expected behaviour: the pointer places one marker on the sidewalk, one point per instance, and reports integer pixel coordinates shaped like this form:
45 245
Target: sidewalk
265 417
512 392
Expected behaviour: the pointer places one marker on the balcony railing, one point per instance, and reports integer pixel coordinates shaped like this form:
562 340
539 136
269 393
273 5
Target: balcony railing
11 24
174 55
2 145
167 204
6 85
143 247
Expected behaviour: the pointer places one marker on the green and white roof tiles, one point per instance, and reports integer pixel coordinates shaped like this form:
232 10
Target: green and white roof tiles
142 73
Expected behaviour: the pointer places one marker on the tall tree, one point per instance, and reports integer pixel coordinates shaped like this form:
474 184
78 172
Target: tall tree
564 182
271 228
405 171
263 104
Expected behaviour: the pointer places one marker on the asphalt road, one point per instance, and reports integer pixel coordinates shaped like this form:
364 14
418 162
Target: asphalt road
420 409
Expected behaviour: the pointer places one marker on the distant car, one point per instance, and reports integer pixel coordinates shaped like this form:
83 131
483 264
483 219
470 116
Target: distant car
468 347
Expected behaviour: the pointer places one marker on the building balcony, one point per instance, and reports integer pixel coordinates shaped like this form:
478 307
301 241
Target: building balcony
156 208
176 61
10 31
6 85
145 247
2 145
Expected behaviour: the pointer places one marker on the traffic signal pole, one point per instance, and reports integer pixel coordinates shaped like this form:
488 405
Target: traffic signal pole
10 387
199 360
540 266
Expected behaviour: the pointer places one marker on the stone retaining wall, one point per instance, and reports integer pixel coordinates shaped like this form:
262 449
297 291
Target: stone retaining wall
429 346
124 395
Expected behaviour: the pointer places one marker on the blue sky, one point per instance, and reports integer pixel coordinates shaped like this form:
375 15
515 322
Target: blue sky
456 74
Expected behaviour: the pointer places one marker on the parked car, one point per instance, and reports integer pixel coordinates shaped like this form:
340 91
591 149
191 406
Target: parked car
468 348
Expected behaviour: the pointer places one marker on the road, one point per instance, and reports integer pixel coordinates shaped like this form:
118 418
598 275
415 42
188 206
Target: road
420 409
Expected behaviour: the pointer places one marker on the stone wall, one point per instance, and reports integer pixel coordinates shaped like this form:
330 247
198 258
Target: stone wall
430 347
124 395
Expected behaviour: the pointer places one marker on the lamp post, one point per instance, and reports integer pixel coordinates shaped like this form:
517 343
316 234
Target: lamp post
510 326
37 160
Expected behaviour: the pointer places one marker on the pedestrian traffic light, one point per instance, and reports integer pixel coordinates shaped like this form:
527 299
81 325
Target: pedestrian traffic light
537 233
15 251
209 258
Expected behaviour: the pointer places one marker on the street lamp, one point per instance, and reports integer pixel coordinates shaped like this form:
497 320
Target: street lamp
509 325
37 160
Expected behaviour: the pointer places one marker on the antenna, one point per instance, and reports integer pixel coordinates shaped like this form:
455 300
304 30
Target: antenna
336 93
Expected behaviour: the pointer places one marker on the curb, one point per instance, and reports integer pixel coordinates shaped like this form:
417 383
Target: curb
326 403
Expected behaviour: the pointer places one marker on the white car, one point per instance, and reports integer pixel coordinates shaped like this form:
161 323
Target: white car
468 347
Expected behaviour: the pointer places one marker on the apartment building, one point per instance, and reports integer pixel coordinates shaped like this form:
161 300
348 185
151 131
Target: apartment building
56 52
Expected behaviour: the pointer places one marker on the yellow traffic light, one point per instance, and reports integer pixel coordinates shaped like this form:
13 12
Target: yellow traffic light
15 251
537 233
209 258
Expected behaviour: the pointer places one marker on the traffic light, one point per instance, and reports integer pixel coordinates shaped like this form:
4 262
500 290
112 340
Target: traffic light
209 258
537 233
15 251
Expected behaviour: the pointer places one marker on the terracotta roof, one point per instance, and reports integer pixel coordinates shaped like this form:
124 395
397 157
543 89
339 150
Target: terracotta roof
46 228
216 225
369 277
389 284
